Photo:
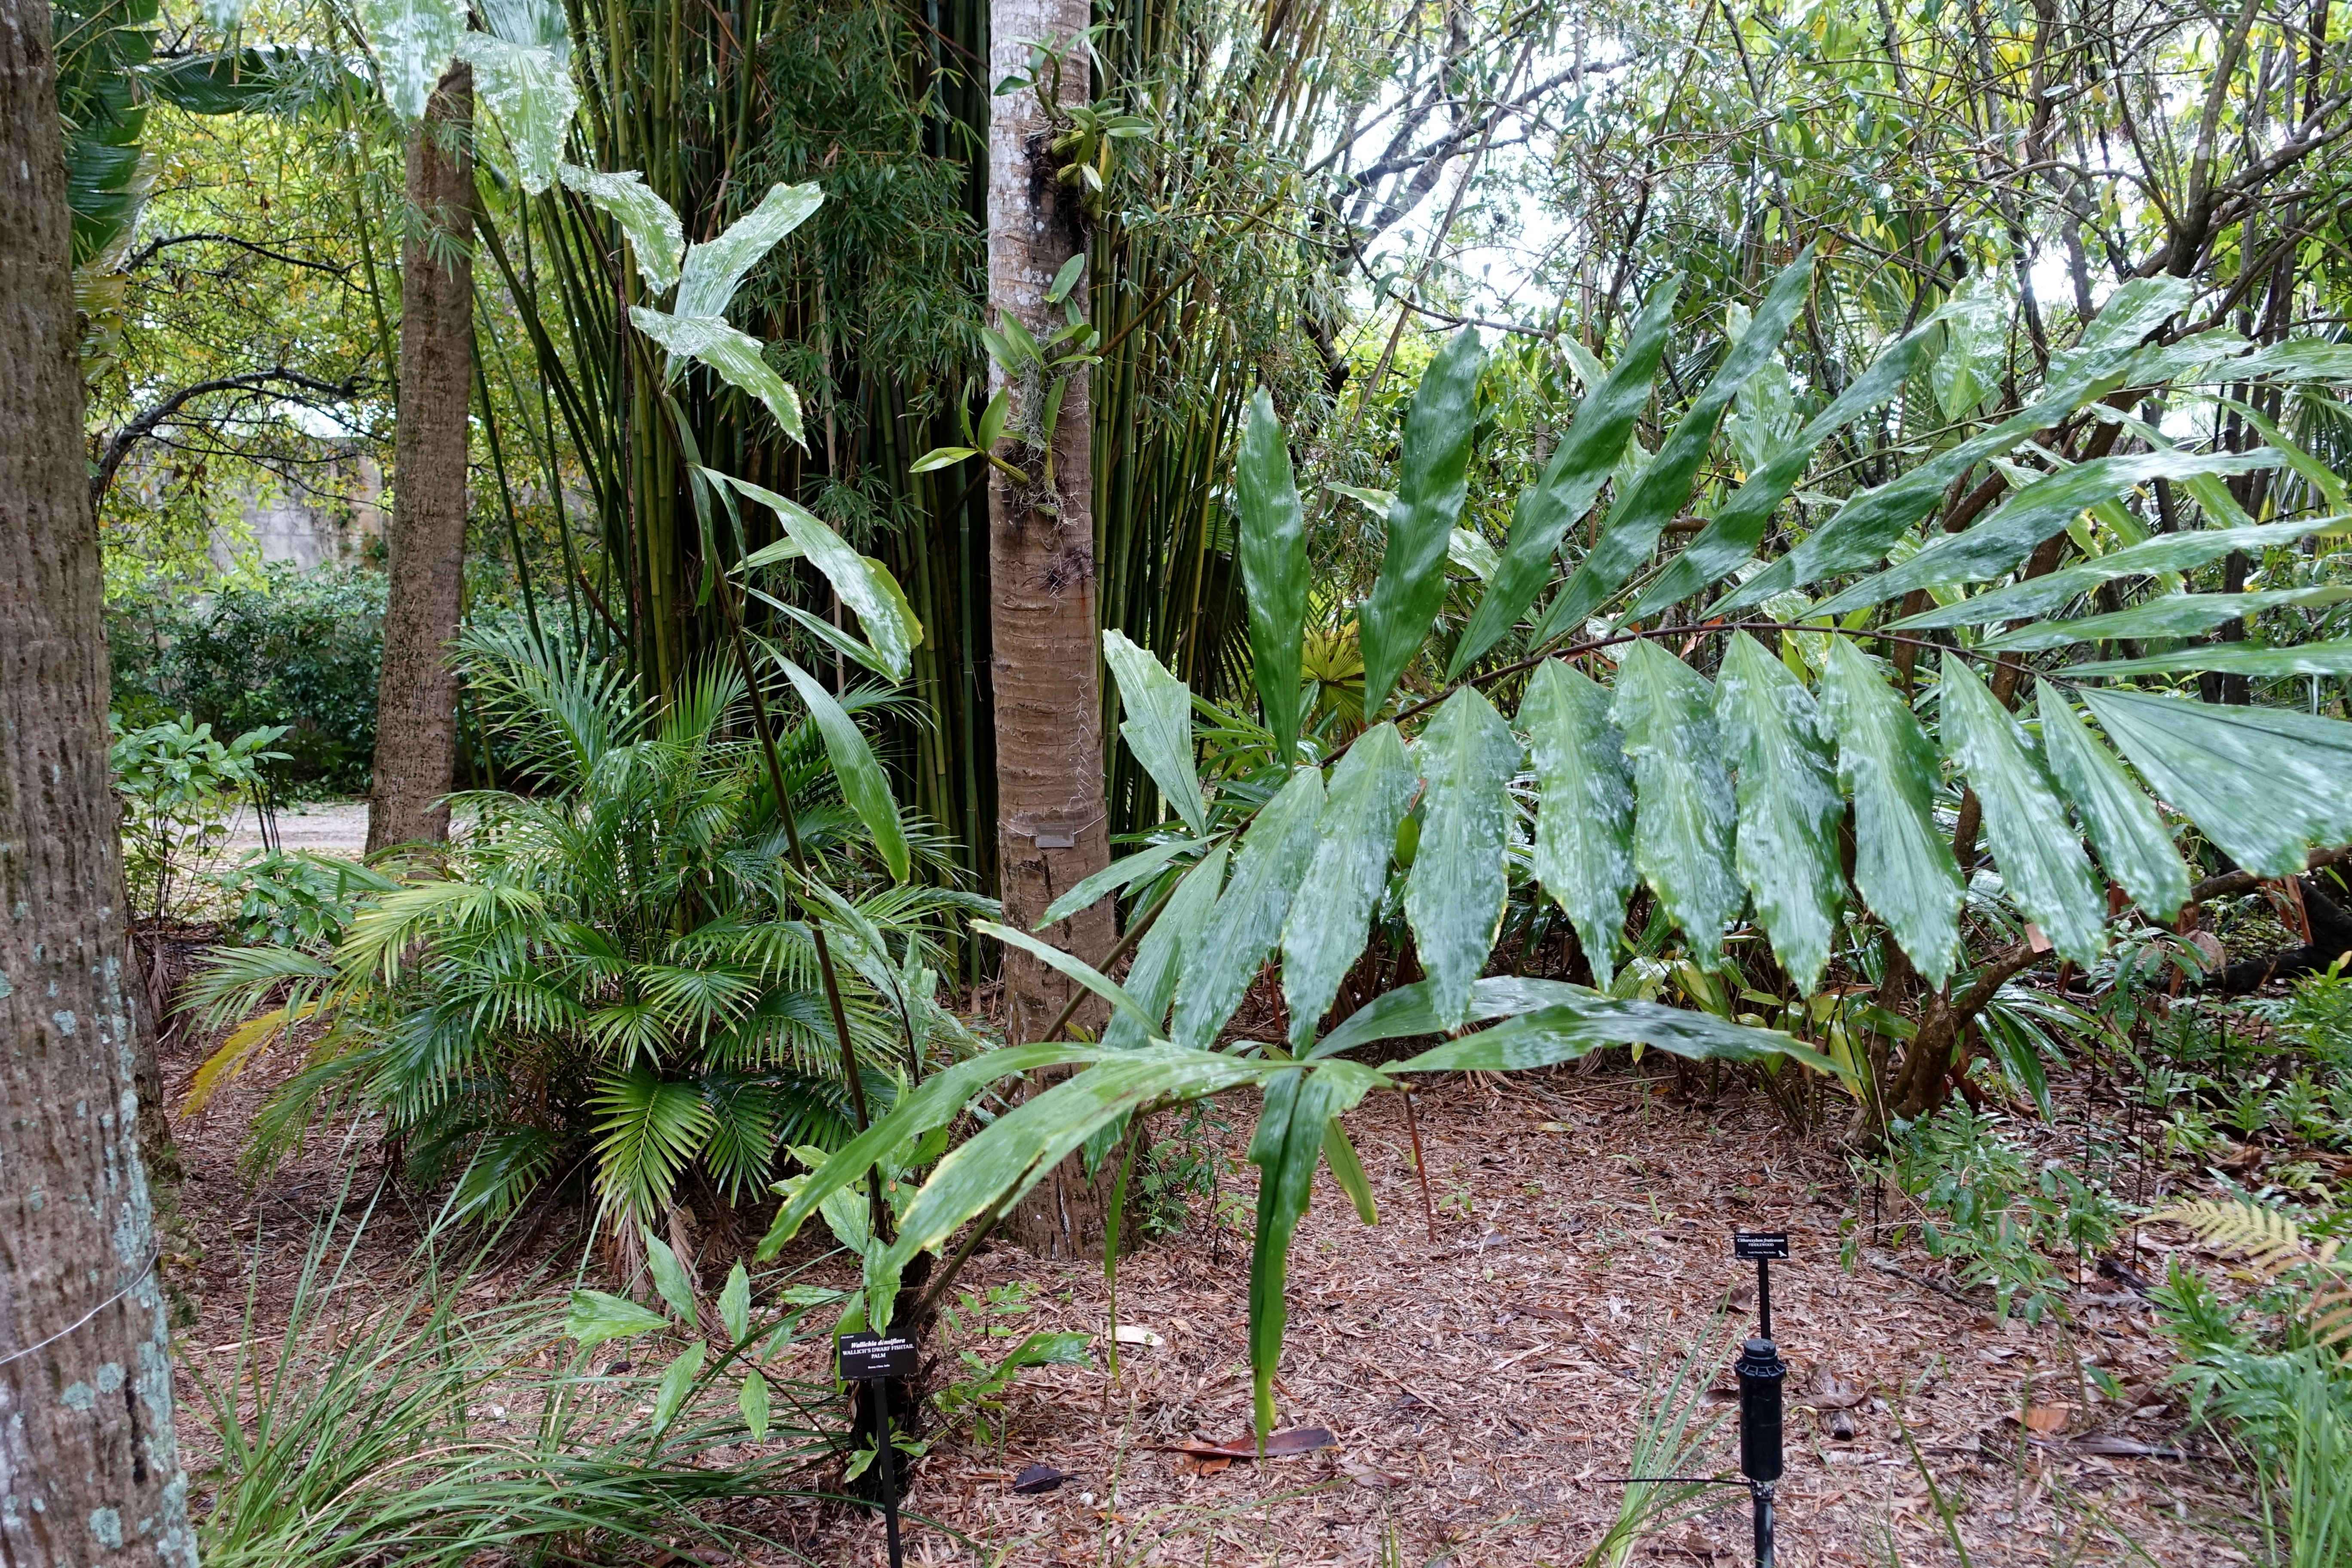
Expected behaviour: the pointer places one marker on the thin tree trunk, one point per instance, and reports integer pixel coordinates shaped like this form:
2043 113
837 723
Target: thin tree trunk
417 691
1047 689
87 1462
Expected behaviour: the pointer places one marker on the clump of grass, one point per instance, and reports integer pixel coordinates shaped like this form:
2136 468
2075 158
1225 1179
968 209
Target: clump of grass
427 1434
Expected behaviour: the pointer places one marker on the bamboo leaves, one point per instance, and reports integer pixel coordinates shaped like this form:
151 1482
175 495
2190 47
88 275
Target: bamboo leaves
1790 806
1432 483
1159 727
1274 566
1368 792
1584 828
2042 861
1902 864
1455 894
1685 821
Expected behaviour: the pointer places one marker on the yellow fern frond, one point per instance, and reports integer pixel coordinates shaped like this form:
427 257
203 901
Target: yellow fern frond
2269 1239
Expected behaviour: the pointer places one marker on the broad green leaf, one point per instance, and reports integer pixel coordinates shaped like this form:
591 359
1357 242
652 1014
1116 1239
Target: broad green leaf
2263 783
1975 347
735 1304
1584 826
595 1317
1454 893
1285 1147
1432 483
1349 1172
863 782
1992 546
1323 934
2298 359
1586 456
1159 727
1903 866
936 1102
1869 525
1001 1162
715 268
1790 806
1273 568
2232 659
752 1400
528 91
2041 858
669 1278
1159 957
1118 874
1412 1009
861 581
414 41
1729 540
2122 822
736 356
2166 553
657 240
677 1383
540 24
1247 921
1629 535
2168 616
1684 818
1078 969
1566 1030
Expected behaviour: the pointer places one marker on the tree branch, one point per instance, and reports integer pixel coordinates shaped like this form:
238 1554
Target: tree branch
147 252
149 420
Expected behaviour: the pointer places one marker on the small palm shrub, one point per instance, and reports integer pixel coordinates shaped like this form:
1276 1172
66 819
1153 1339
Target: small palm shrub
612 974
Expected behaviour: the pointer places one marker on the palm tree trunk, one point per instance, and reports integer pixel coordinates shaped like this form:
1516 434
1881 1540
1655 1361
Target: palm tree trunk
417 691
1046 682
87 1461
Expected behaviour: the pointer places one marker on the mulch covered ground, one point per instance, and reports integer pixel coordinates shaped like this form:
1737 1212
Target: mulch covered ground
1479 1390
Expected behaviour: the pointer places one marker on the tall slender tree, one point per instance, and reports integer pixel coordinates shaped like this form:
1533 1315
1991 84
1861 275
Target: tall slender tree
1051 829
87 1462
417 692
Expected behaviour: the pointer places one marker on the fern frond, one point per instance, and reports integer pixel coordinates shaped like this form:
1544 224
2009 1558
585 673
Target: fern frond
2270 1240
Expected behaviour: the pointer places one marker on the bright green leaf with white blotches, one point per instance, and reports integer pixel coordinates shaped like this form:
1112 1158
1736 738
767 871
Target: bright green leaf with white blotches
2264 783
414 41
736 356
677 1383
1159 727
1118 874
669 1278
594 1317
1568 1029
1790 806
2042 861
1584 826
715 268
2167 616
1432 483
1903 866
735 1304
1247 921
1684 818
1369 792
863 782
528 91
863 584
1453 895
656 239
1286 1148
2235 658
1274 566
1159 957
2122 822
752 1400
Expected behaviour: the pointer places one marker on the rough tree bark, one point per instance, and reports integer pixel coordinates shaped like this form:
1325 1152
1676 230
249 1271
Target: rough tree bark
89 1469
416 691
1045 670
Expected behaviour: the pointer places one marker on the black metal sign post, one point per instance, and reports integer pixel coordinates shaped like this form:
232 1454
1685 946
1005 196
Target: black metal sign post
1761 1373
873 1360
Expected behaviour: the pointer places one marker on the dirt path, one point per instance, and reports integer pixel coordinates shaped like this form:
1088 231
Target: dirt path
1481 1390
324 827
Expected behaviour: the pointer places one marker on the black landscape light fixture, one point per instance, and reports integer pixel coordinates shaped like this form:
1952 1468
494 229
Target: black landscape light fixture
1762 1373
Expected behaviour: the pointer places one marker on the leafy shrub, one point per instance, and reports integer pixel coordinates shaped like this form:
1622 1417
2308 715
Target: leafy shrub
286 647
297 899
610 974
180 789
